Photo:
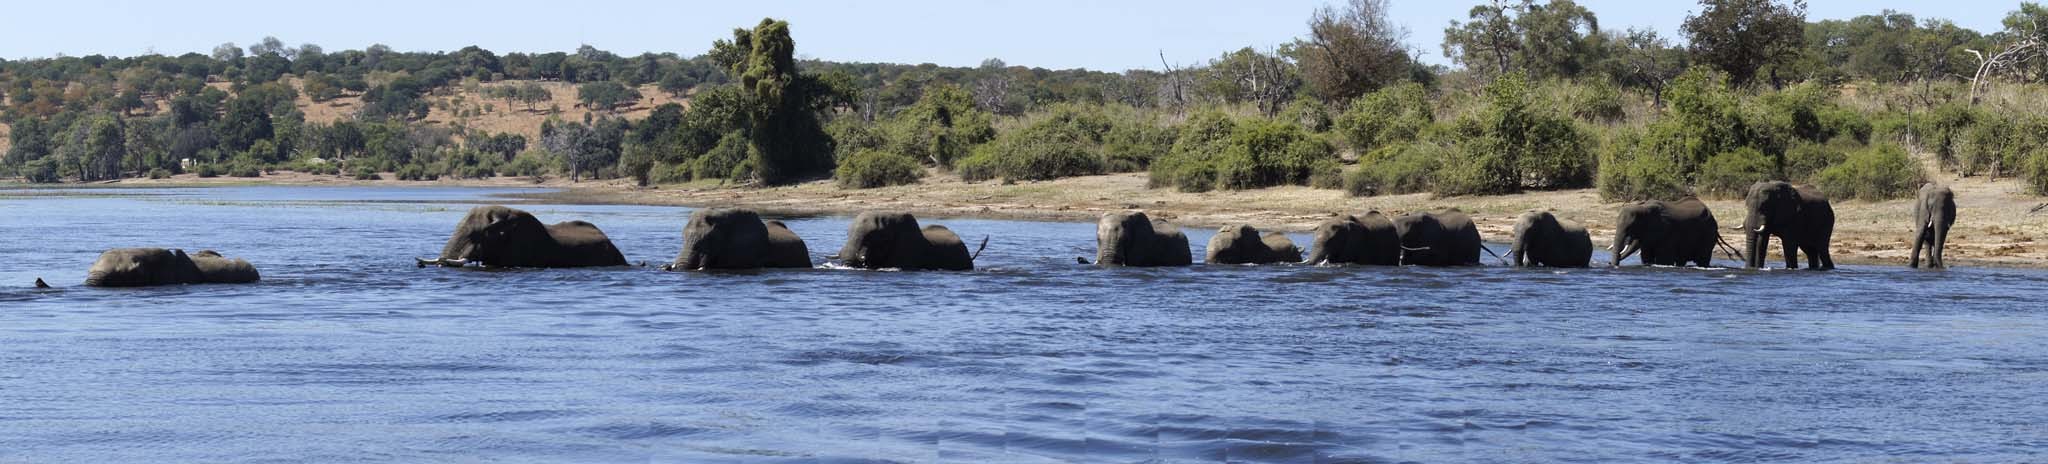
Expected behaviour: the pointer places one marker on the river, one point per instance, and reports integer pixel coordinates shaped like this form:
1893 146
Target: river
347 352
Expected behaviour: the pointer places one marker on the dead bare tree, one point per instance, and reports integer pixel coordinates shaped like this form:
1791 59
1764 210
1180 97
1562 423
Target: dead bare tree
1174 91
2007 59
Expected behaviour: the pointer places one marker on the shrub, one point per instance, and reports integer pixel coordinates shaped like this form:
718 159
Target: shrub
244 169
2036 173
944 125
665 173
725 160
1257 153
1882 172
367 173
1395 170
1629 172
1064 145
1308 112
1183 174
477 172
1131 146
1944 128
1730 174
1387 116
1476 168
1805 159
42 171
1597 101
873 168
159 173
414 172
209 170
1326 174
528 163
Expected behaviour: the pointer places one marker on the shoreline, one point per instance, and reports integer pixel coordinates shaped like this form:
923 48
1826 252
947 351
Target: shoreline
1997 223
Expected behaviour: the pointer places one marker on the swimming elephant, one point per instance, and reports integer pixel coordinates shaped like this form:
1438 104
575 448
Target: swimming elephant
1371 239
1543 239
1134 239
1242 244
726 238
883 240
498 236
142 267
1667 233
1933 215
1443 238
1799 216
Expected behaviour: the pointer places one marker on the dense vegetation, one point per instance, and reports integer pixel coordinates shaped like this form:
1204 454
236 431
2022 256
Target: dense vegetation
1542 98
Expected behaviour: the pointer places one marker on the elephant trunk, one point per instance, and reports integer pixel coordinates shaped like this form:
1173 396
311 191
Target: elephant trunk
1624 246
1753 253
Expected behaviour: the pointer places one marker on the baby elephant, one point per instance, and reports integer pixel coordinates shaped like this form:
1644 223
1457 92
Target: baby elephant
497 236
726 238
1442 238
1370 239
143 267
884 240
1542 239
1933 215
1133 239
1242 244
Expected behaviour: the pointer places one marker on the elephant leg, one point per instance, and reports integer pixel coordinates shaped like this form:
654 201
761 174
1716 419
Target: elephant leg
1827 259
1939 241
1791 252
1919 240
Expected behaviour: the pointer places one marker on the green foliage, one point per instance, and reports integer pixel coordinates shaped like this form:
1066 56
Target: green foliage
529 163
870 169
1805 159
210 170
159 173
1130 146
1882 172
1395 170
606 95
1255 153
942 127
1997 143
1729 175
727 160
1629 172
1944 131
1386 117
788 143
1742 37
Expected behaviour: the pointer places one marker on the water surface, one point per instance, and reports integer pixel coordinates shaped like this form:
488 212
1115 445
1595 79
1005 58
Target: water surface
346 352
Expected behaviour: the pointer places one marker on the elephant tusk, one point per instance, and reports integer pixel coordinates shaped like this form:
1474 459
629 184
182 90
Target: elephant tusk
1406 248
1759 229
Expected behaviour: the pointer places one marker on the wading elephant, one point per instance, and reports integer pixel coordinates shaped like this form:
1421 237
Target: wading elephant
1799 216
1671 233
1134 239
1370 239
885 240
142 267
726 238
498 236
1443 238
1242 244
1543 239
1933 215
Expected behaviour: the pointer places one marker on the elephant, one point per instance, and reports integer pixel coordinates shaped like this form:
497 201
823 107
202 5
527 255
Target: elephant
1543 239
1371 239
1799 216
143 267
497 236
1933 215
884 240
1242 244
1443 238
1136 240
1667 233
726 238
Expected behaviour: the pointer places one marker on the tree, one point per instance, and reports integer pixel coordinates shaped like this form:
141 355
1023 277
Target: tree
606 95
1246 75
1645 61
98 145
247 121
1489 42
1352 50
2025 39
227 52
788 142
1741 37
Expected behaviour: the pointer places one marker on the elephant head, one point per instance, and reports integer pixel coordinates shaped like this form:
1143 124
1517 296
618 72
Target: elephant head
1337 240
1773 207
722 238
1134 239
1532 226
497 235
1637 223
878 240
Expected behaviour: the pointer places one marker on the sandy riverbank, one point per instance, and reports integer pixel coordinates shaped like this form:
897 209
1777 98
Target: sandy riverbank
1998 221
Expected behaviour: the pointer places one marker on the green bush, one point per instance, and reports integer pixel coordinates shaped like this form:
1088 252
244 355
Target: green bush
42 171
1729 175
209 170
159 173
1388 116
1131 147
2036 173
1065 144
1629 172
245 169
1997 144
1597 101
1882 172
1805 159
1944 131
1895 127
873 168
665 173
1400 169
366 173
1326 174
1480 167
1257 153
724 161
1184 174
415 172
528 163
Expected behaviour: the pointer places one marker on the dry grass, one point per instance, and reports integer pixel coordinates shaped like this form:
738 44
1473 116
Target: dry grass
500 116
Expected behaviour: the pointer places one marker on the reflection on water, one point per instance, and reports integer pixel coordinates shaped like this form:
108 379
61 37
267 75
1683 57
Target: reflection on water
348 352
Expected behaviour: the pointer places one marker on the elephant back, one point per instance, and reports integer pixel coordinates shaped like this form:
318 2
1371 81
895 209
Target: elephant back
1279 248
581 244
1460 236
136 267
946 251
216 269
1169 246
1575 245
1238 244
877 240
785 248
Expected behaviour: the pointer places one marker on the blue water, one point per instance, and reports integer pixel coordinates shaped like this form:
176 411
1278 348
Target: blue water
347 352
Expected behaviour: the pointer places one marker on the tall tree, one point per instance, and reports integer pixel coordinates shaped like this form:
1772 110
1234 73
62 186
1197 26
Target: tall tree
1741 37
788 142
1353 50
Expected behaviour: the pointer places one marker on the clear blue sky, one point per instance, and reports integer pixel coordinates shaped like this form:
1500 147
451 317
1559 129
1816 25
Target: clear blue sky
1109 35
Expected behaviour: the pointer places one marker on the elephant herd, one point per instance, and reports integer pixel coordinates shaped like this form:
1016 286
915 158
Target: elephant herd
1664 233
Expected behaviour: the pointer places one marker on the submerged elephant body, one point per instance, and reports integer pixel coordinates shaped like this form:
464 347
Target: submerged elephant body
1242 244
886 240
725 238
1667 233
1371 239
1134 239
1443 238
498 236
1801 218
142 267
1543 239
1933 215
